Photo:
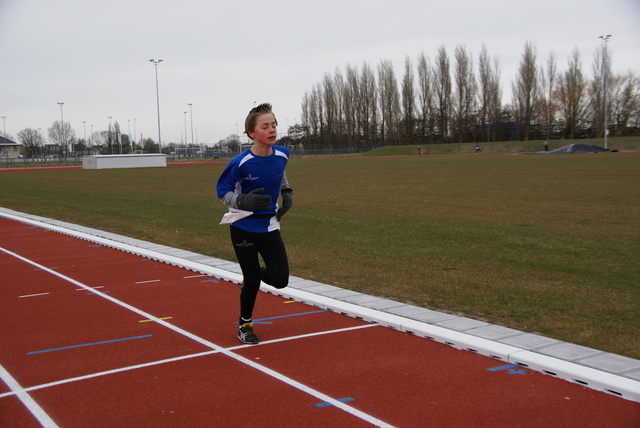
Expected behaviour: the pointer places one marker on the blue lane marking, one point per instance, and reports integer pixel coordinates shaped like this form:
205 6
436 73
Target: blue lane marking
211 280
89 344
98 292
507 367
326 404
264 320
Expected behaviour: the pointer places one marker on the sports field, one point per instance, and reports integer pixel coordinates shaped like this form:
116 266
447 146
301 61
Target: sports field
544 244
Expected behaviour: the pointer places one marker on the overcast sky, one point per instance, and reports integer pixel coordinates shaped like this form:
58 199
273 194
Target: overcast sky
222 56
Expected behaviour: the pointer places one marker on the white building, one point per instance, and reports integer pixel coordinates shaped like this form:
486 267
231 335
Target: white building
9 149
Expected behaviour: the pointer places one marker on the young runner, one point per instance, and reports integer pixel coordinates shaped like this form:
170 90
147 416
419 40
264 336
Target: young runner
249 186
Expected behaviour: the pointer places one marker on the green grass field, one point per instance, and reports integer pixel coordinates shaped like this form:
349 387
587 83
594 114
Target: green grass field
544 244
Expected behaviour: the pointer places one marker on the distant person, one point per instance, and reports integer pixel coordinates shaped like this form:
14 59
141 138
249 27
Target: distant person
419 151
252 182
546 146
478 148
215 155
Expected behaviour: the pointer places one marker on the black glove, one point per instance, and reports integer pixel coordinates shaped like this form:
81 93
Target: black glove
254 201
287 202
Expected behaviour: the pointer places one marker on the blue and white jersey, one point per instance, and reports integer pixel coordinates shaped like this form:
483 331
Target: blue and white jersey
247 172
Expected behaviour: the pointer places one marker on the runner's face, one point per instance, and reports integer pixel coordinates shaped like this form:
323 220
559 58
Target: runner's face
265 131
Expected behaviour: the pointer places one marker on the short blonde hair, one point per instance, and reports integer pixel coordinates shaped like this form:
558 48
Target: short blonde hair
252 117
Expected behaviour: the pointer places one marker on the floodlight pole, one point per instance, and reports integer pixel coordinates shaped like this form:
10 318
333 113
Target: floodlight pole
191 116
110 141
64 140
605 63
185 129
155 63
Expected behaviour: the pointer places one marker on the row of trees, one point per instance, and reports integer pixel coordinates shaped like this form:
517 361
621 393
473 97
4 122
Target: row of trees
63 142
436 102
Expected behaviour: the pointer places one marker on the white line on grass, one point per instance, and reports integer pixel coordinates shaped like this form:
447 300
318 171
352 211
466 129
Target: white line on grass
291 382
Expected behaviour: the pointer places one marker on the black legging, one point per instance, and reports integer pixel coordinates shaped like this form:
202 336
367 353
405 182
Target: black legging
247 246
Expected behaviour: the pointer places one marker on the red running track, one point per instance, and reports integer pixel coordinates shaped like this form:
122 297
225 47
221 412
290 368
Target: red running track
95 337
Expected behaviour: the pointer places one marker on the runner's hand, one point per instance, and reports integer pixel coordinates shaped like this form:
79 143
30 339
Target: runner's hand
254 201
287 202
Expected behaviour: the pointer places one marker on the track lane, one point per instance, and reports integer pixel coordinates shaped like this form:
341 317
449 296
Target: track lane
368 365
158 321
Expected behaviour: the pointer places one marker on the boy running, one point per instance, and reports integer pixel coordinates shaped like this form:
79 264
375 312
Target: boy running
252 182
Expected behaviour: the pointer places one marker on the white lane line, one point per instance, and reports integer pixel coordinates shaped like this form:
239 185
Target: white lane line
109 372
147 282
180 358
291 382
32 295
26 399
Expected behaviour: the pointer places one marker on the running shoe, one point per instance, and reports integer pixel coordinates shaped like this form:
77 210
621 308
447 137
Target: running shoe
246 334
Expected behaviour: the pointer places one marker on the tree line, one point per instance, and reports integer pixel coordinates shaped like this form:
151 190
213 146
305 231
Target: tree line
444 100
63 142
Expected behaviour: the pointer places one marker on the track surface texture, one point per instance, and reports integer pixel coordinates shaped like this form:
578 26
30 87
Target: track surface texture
95 337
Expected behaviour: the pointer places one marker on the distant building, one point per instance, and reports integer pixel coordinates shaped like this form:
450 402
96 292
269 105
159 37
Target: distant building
9 149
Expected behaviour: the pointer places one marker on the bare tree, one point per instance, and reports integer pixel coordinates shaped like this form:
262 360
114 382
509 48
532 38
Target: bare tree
548 79
305 115
368 113
484 73
408 101
32 142
338 84
366 106
622 93
319 110
62 135
98 138
117 137
389 100
351 100
525 91
312 114
490 96
596 90
625 101
150 146
425 97
494 108
442 90
465 100
330 102
572 96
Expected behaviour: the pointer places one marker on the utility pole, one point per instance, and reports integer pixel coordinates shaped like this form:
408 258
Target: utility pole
605 66
155 63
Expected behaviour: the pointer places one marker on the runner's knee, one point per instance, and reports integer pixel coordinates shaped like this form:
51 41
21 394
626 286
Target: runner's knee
280 281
